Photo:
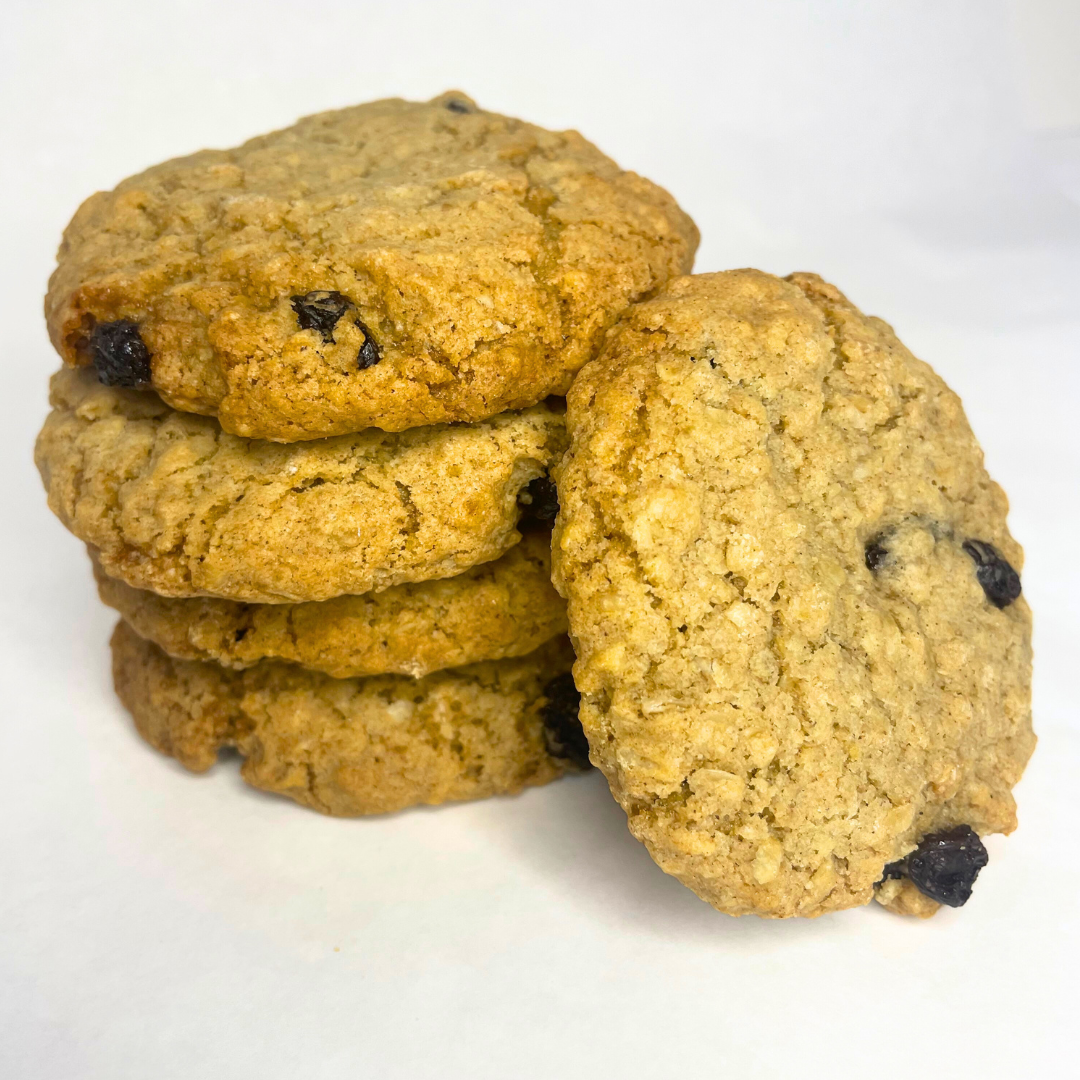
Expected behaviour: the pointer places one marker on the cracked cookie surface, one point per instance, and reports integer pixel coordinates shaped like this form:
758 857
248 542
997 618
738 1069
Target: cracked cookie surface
349 747
800 649
176 505
389 265
500 609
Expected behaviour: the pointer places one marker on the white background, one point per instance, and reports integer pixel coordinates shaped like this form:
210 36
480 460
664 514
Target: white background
925 156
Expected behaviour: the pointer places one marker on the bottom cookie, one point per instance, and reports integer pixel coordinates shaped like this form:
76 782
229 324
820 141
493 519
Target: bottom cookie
353 746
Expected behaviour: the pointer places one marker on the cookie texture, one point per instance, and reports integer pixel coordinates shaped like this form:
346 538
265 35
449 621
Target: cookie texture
904 898
391 265
176 505
499 609
792 667
349 746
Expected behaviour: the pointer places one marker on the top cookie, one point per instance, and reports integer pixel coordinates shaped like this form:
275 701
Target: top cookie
803 661
388 265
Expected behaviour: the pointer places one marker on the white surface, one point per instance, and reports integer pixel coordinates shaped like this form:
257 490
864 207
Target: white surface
1047 32
157 925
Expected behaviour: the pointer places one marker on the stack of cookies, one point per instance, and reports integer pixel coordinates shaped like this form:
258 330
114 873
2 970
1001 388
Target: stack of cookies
311 428
305 429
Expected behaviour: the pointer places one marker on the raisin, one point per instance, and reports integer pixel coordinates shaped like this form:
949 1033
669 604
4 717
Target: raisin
998 579
876 554
539 500
944 866
320 310
562 729
120 355
369 351
458 106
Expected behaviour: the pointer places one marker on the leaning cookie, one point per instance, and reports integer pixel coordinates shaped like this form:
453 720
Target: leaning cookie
390 265
500 609
803 656
352 746
176 505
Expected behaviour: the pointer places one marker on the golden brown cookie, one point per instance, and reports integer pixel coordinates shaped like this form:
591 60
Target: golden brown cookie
390 265
803 658
350 746
176 505
500 609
